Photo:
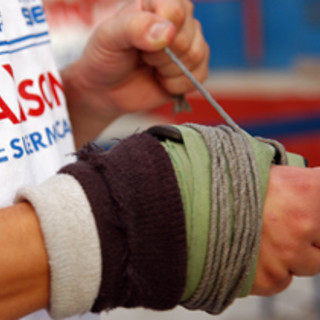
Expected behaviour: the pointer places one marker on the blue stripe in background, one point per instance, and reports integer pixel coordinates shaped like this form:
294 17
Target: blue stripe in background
285 128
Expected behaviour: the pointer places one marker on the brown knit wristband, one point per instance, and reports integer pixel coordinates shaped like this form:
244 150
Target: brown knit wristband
112 242
137 206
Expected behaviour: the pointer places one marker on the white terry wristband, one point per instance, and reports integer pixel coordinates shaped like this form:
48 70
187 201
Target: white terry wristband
72 243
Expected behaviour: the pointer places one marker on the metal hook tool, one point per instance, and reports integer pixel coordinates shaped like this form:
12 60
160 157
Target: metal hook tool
181 104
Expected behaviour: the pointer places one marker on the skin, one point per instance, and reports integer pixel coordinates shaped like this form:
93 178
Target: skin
24 270
290 244
124 59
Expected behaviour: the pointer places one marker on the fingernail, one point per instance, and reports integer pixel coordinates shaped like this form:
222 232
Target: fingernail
159 31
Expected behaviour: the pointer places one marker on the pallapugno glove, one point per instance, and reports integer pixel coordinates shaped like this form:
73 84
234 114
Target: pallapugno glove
167 217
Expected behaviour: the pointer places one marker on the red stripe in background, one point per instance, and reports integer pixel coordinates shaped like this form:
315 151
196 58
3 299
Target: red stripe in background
252 110
245 110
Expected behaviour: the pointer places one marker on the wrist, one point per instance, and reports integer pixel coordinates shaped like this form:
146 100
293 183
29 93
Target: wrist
89 108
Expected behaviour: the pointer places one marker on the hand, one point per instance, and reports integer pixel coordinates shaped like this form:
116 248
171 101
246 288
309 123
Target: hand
123 65
290 243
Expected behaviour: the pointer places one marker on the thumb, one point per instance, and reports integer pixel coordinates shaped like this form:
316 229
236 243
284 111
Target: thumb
141 30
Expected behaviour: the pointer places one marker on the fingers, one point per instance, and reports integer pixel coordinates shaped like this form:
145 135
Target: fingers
195 59
180 84
188 44
306 262
270 281
153 27
180 13
191 55
280 259
129 46
272 273
142 30
163 23
295 254
176 11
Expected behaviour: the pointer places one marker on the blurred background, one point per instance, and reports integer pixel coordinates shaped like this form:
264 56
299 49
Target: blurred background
265 72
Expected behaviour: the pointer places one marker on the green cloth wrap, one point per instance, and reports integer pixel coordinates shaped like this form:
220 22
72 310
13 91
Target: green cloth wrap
193 158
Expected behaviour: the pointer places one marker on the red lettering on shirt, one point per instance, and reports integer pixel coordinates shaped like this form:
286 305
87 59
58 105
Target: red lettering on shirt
42 80
35 112
54 84
32 96
6 112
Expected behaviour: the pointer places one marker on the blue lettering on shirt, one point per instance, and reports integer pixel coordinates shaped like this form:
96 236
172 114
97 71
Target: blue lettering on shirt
16 148
33 15
36 139
3 158
39 140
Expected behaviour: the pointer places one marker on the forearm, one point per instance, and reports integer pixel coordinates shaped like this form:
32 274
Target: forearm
24 270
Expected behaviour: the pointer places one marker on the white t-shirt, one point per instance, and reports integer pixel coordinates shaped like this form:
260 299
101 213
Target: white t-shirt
36 138
35 133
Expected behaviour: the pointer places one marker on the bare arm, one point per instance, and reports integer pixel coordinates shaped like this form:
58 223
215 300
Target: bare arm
24 271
